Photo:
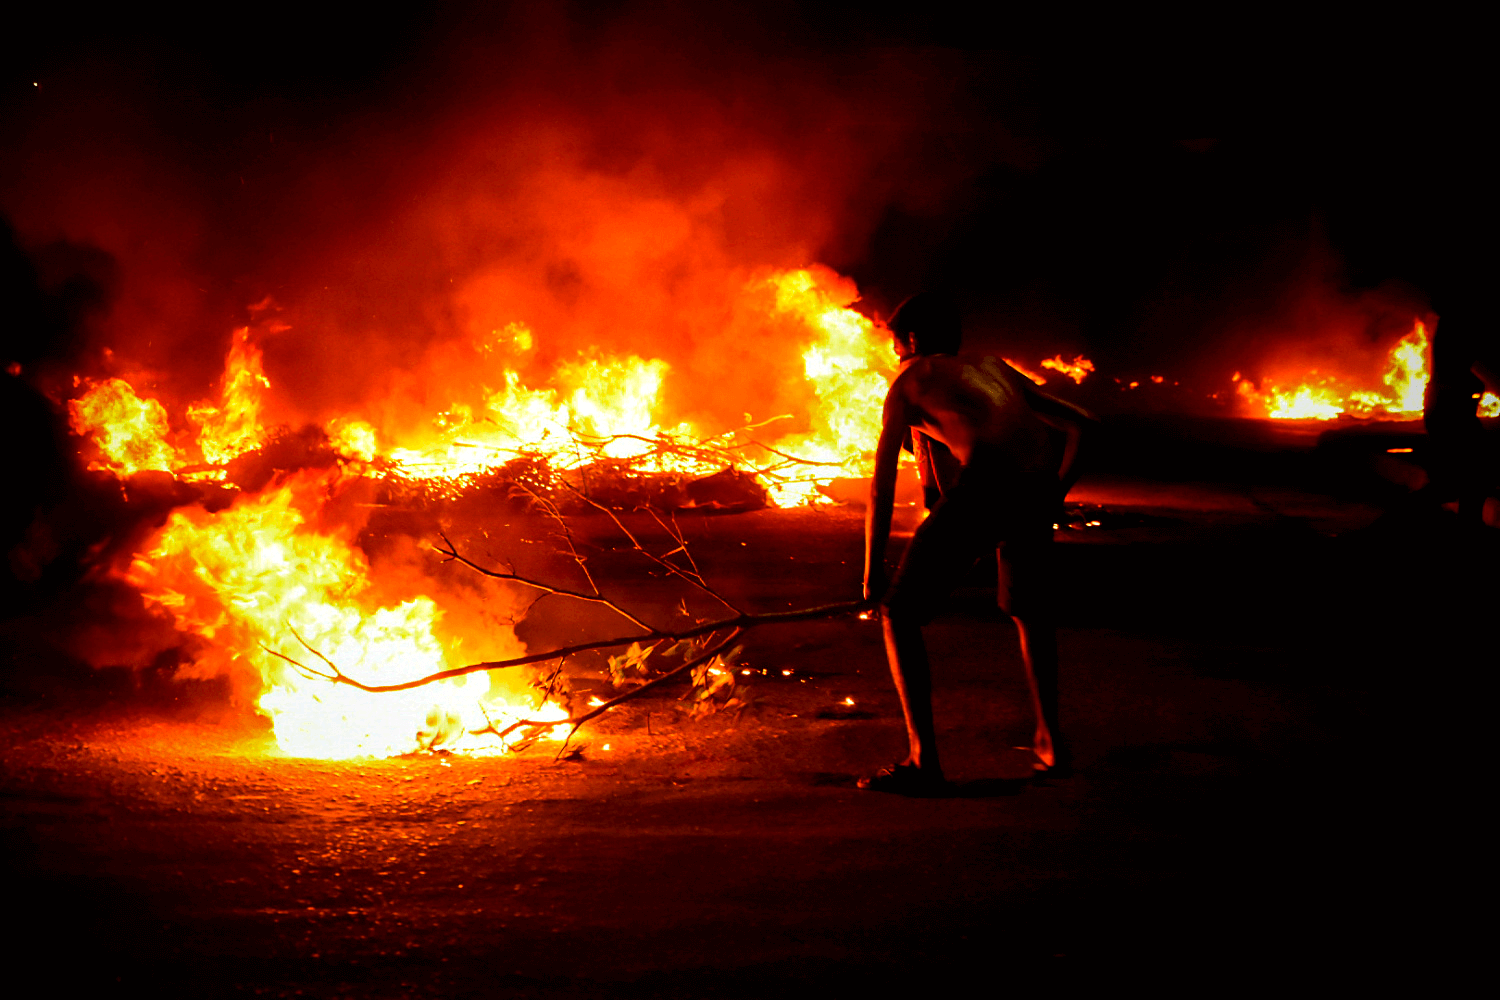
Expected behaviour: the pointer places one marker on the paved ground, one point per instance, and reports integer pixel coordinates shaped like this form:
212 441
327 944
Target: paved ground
1271 782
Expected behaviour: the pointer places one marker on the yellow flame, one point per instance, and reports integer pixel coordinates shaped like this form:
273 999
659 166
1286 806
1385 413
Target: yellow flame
1078 369
233 427
129 431
256 577
848 365
1322 398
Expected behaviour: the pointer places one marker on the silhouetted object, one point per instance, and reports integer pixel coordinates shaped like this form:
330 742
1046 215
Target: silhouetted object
1000 455
1460 465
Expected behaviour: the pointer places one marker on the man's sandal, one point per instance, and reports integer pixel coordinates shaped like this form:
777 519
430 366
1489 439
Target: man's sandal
904 779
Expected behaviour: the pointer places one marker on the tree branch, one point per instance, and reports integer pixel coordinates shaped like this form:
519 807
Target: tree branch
453 555
738 622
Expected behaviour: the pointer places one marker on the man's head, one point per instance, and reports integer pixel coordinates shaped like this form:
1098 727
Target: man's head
926 323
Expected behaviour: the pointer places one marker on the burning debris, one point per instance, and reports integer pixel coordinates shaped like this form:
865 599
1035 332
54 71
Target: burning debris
262 559
275 589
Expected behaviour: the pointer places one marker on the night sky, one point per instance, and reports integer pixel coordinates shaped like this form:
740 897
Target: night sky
1160 196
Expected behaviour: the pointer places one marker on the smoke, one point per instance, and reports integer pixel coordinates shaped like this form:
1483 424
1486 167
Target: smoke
613 181
615 176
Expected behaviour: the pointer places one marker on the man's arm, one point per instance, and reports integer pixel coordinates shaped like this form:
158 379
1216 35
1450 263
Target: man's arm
1076 424
883 493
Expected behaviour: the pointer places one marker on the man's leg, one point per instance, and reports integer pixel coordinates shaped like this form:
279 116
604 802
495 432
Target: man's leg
907 654
1025 592
1039 653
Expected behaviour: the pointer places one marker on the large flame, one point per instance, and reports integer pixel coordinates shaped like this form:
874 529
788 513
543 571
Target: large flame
257 579
264 585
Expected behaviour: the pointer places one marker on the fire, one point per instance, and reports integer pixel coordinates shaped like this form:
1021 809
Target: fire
1078 369
608 407
131 432
234 427
608 413
267 576
258 577
1038 379
1323 397
849 367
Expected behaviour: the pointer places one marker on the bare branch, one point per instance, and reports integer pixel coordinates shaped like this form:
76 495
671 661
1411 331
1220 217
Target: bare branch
309 671
672 568
567 533
739 621
453 554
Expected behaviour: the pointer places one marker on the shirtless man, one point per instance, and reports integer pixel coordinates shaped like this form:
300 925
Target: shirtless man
1002 455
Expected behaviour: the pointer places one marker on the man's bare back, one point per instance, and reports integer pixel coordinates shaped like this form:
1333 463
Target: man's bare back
967 403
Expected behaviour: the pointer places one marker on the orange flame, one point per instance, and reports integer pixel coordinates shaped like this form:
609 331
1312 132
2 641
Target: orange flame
1038 379
1322 397
233 427
1078 369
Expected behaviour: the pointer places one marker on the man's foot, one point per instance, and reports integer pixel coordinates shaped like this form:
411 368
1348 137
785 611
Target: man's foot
906 779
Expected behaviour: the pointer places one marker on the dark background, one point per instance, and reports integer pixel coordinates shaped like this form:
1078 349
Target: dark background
1140 189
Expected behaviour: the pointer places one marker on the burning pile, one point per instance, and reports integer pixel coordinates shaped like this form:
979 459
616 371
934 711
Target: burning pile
262 577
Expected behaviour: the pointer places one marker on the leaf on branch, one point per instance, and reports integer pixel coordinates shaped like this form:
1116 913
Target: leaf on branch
630 666
714 688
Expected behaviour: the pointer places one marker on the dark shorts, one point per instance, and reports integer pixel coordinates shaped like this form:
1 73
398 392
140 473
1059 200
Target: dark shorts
1012 514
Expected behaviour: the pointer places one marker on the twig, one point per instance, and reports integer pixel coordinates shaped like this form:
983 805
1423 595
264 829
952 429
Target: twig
454 556
567 533
672 568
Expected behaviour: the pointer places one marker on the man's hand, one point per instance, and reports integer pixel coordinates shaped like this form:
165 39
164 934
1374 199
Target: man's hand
875 588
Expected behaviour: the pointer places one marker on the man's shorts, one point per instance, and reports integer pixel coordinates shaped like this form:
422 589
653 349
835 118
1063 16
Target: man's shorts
1011 513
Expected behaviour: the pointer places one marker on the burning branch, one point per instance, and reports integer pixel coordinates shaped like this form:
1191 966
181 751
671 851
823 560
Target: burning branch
735 624
738 622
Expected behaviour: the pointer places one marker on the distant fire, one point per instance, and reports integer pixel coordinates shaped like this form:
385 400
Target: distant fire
1327 396
1078 369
